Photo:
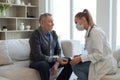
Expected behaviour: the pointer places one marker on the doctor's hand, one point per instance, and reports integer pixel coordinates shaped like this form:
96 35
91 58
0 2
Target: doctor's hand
62 61
76 60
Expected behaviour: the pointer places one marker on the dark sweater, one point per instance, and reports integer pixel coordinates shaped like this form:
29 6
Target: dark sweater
40 49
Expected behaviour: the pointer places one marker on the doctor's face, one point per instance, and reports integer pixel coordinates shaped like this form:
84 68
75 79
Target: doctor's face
78 20
82 21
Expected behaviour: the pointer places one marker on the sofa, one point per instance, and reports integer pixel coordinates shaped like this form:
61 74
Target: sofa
14 60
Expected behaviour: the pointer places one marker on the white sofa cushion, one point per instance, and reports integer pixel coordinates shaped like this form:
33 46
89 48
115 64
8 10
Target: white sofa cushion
19 49
4 55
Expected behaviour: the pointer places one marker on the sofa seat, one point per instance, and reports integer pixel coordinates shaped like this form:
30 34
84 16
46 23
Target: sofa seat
3 78
19 70
20 73
15 64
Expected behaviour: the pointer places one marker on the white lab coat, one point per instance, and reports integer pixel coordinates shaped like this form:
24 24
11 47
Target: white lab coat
99 53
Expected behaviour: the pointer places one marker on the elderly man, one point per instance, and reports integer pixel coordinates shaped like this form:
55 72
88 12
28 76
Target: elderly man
44 49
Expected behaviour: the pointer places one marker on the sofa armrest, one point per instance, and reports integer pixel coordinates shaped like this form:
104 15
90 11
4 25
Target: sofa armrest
70 47
116 55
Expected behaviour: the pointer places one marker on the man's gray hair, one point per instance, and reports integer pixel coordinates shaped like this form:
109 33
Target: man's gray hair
43 16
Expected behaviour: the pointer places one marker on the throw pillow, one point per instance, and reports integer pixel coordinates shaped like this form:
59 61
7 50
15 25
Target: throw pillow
19 49
4 55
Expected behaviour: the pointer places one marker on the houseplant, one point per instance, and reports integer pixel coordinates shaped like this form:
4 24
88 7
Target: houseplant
3 8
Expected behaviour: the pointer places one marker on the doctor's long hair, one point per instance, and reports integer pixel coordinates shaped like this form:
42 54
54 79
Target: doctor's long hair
87 16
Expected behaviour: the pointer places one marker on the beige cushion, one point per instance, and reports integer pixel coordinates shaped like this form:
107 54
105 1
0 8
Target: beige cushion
21 74
119 64
70 47
4 55
117 56
19 49
112 77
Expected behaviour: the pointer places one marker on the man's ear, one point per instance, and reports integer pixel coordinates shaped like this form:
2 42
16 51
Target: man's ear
42 23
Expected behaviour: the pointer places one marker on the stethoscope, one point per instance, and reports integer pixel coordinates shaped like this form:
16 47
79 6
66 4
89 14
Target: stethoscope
88 36
89 31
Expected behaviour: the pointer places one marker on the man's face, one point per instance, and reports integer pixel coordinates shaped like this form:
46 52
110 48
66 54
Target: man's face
48 24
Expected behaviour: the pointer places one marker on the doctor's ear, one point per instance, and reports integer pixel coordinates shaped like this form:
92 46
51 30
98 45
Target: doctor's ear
83 19
75 22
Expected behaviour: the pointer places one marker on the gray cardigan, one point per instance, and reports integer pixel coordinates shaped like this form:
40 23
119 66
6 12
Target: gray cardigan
40 46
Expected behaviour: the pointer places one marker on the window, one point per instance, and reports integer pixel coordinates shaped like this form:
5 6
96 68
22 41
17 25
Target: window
79 6
61 15
118 25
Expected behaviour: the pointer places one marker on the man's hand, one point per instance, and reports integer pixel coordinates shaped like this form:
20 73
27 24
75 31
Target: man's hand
54 69
76 56
75 60
62 61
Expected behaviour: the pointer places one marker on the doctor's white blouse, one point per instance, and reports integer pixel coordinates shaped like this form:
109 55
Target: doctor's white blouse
99 53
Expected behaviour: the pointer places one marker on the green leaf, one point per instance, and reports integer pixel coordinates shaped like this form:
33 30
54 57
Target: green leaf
3 7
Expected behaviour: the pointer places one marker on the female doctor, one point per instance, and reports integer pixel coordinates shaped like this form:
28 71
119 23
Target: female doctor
99 61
